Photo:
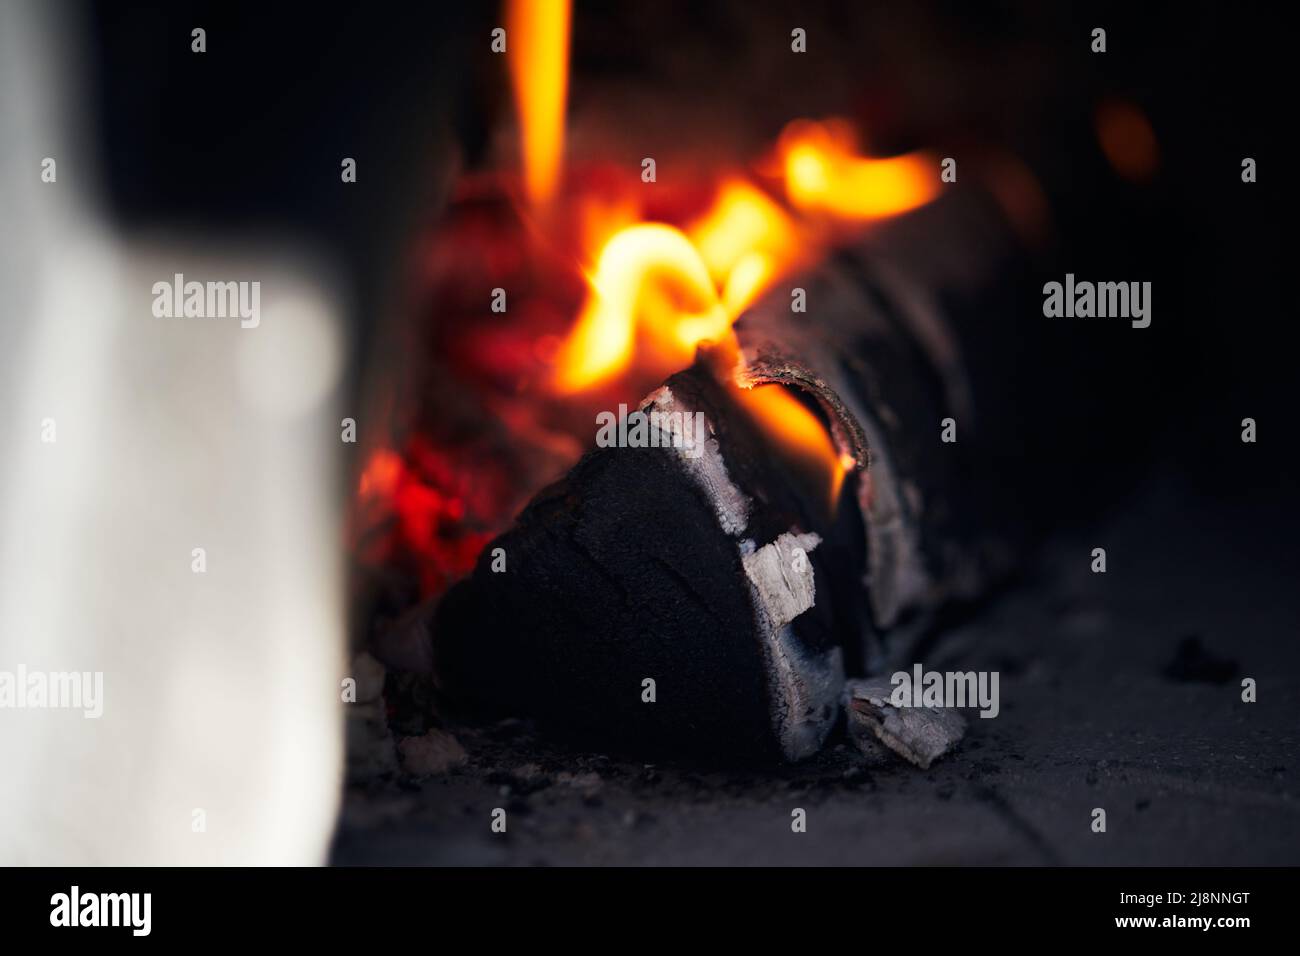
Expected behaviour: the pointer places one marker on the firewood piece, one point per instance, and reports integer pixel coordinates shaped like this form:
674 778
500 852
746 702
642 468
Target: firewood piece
643 563
920 735
654 564
879 350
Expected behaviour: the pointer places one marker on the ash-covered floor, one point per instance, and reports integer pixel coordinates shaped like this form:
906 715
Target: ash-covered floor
1119 691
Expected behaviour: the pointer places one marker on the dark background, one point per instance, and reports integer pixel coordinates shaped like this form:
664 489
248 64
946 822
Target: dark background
248 137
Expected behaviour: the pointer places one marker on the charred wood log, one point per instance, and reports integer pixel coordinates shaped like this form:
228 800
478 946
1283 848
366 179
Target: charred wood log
702 601
655 564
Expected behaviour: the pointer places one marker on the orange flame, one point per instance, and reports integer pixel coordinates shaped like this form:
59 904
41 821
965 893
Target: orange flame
537 36
677 289
797 431
649 276
683 288
824 174
656 291
747 241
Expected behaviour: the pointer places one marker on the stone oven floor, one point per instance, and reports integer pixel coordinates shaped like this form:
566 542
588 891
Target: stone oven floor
1113 695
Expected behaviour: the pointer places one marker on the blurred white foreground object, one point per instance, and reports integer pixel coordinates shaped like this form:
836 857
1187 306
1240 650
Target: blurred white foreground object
220 739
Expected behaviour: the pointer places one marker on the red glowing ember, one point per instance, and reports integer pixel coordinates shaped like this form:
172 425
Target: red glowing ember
425 505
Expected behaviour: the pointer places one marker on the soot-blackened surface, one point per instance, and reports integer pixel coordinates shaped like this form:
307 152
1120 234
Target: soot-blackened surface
619 574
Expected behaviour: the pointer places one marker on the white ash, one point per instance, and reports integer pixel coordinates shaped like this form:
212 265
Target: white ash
704 465
920 735
805 685
782 592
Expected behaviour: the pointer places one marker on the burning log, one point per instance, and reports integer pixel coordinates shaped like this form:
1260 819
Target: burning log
701 590
708 600
658 564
